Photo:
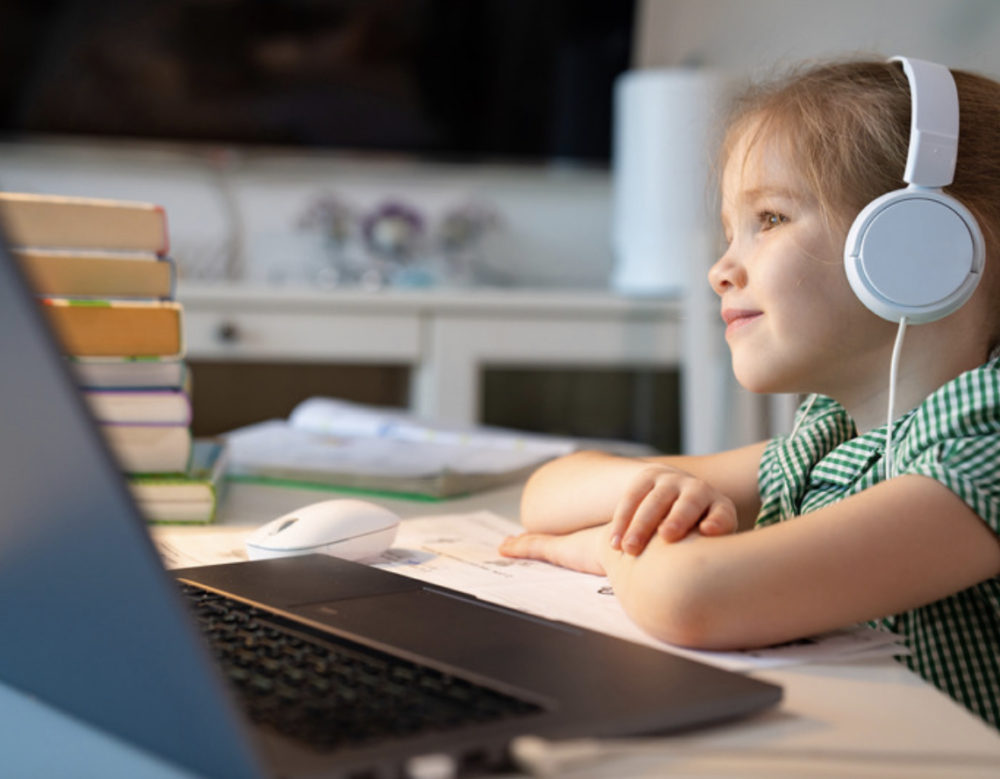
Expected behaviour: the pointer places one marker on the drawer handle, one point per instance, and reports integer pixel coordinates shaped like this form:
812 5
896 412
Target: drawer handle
228 333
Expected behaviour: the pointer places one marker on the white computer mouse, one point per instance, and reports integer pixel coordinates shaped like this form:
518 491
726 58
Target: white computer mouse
344 527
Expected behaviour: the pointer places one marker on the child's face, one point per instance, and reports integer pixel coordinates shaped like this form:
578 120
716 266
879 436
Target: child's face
793 323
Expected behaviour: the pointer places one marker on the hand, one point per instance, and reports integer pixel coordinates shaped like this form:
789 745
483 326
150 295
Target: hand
580 550
674 502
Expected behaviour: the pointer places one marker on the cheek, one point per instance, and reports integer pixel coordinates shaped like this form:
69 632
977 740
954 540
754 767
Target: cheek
822 281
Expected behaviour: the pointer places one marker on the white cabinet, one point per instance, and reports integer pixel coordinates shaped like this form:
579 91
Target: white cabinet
449 336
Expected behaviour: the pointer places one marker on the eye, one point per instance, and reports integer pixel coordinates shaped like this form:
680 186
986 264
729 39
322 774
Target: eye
770 219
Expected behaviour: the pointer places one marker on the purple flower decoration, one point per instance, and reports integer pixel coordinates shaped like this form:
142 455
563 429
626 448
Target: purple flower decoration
393 231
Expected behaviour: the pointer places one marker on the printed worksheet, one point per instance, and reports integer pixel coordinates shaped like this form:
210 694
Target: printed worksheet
460 551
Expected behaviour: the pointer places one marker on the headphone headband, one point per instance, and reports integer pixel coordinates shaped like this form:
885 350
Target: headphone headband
917 253
930 161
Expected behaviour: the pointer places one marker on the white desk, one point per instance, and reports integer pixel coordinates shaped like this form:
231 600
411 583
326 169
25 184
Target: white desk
850 719
449 336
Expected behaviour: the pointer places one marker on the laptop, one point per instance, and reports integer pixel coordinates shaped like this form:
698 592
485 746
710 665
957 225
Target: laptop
304 666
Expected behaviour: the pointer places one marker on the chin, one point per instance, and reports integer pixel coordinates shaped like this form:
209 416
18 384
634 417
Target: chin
760 388
761 379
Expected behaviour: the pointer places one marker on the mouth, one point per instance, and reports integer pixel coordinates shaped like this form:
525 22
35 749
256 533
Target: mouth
736 318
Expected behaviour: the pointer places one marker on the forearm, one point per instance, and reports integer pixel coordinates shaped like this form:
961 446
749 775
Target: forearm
703 592
660 590
577 491
583 489
697 592
891 548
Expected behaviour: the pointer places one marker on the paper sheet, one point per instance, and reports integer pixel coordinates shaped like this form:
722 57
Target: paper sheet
184 547
459 551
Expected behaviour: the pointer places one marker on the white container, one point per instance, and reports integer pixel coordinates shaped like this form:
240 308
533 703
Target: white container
665 226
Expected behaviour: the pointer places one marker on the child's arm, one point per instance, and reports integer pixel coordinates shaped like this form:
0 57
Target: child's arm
896 546
637 494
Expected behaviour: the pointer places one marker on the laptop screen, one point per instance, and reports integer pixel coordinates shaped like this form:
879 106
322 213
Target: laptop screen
90 621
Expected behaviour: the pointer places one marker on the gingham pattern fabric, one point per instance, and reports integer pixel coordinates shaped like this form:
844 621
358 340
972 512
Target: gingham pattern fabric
953 437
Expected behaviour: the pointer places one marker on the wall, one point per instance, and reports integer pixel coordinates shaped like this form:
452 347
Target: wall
758 37
237 211
241 210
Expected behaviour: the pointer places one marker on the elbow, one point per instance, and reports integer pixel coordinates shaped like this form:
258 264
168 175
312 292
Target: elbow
679 619
680 626
687 606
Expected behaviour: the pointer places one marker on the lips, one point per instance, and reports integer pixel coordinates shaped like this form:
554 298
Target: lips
735 318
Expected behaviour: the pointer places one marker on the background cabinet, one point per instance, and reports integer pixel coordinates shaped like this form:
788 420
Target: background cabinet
448 354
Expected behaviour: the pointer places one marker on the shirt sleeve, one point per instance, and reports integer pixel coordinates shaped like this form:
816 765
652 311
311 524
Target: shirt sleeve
820 424
955 439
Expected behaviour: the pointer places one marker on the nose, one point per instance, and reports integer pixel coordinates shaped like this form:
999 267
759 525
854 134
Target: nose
727 272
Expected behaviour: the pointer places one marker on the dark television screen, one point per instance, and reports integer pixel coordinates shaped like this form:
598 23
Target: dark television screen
462 79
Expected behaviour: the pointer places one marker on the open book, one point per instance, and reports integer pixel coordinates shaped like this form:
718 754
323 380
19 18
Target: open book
341 444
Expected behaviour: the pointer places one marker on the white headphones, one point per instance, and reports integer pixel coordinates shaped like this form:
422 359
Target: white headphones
917 253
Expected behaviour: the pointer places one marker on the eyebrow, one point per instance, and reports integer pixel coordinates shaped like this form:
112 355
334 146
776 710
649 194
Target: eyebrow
786 192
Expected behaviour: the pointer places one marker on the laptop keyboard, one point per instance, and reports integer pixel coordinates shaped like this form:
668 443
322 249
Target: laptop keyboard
331 692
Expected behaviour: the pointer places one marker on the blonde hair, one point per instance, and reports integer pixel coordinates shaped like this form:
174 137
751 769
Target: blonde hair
847 127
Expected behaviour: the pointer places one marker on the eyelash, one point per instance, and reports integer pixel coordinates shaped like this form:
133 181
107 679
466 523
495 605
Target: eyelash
771 219
767 221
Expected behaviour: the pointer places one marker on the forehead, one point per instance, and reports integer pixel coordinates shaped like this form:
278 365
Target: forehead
760 159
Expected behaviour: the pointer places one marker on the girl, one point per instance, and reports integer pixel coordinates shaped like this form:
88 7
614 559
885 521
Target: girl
835 541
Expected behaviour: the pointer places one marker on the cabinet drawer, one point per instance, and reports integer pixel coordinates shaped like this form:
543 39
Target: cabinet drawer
280 336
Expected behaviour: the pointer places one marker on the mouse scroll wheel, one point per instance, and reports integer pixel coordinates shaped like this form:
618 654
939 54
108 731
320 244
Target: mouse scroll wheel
287 523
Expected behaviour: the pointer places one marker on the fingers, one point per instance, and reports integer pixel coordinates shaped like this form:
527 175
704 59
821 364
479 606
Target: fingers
672 504
650 512
625 510
579 550
531 546
720 520
685 513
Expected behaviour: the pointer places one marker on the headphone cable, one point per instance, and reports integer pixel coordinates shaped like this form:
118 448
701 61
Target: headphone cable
891 411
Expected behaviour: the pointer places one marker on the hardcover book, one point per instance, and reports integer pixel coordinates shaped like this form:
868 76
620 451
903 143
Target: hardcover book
33 220
93 328
143 407
150 448
131 373
98 274
191 497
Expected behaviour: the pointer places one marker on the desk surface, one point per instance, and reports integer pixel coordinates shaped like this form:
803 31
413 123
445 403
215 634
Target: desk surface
849 719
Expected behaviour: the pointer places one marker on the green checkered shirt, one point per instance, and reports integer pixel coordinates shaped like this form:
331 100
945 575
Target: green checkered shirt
953 437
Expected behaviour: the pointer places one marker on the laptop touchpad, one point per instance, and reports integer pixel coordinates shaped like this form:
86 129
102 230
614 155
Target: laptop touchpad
290 581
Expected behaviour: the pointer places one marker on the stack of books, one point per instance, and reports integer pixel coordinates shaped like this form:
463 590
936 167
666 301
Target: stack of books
106 285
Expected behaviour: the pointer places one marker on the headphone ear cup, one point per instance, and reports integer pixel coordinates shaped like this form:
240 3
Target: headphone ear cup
914 253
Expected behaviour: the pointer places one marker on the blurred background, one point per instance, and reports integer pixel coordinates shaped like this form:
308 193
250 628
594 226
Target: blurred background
408 144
